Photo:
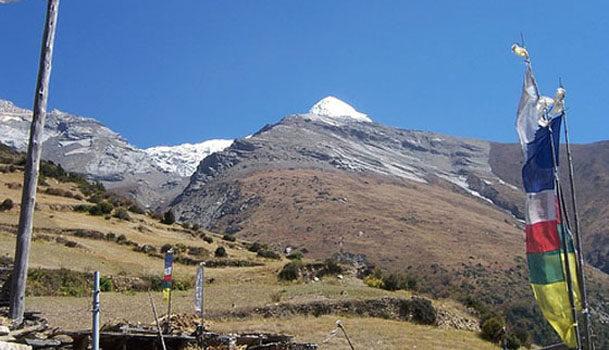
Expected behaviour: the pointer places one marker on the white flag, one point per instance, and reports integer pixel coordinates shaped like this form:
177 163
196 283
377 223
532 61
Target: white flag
199 290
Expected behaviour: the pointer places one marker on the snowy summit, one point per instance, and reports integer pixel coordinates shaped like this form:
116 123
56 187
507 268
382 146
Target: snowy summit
184 159
332 107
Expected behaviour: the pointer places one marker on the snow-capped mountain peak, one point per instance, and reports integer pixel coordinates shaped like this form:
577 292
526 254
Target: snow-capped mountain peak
334 108
184 159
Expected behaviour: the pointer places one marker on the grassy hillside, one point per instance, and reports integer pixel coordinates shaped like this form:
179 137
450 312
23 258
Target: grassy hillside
127 251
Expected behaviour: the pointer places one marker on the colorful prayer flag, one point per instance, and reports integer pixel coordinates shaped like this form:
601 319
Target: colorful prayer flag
545 230
167 275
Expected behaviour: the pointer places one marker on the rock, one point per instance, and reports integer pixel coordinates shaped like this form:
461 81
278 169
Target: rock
38 343
13 346
63 339
4 330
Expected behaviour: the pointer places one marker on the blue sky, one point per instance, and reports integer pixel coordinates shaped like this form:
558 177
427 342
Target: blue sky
169 72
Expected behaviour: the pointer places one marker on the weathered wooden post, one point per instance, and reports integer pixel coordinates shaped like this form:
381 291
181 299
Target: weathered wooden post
28 198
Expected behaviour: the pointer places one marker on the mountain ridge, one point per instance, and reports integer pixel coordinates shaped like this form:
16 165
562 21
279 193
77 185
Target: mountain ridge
85 145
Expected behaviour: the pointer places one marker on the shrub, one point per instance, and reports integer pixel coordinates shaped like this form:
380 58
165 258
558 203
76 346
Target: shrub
83 208
423 311
168 218
255 247
374 282
220 252
181 247
391 282
62 282
493 328
523 336
208 239
512 341
95 210
105 284
290 271
122 214
265 253
136 209
121 239
6 204
295 256
153 282
106 207
182 284
333 267
198 251
229 238
102 208
411 282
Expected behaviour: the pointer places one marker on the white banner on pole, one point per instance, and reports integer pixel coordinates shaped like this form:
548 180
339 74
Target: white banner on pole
199 289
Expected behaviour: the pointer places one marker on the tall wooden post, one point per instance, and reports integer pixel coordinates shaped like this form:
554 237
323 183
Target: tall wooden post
28 198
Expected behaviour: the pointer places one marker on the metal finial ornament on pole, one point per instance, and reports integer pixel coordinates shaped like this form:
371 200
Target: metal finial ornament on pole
30 182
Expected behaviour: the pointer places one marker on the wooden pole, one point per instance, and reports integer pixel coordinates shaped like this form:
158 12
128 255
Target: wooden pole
578 243
30 182
156 319
340 325
562 212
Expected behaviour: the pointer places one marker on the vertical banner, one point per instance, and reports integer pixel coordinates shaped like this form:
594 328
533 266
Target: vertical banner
199 289
547 237
167 275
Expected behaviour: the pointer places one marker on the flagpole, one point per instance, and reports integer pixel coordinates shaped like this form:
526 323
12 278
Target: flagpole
580 254
564 240
30 182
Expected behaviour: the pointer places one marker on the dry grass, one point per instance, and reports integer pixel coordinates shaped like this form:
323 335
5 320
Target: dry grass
365 333
55 214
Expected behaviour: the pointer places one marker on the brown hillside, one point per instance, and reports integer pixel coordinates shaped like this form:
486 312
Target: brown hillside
395 223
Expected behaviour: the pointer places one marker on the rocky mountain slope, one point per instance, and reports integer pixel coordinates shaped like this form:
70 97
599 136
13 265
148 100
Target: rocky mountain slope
85 146
331 139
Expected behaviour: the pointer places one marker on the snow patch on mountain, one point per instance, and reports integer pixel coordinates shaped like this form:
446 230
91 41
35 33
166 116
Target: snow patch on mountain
184 159
333 108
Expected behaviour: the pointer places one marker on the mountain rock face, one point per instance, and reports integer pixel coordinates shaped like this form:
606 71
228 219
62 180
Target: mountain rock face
85 146
335 137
